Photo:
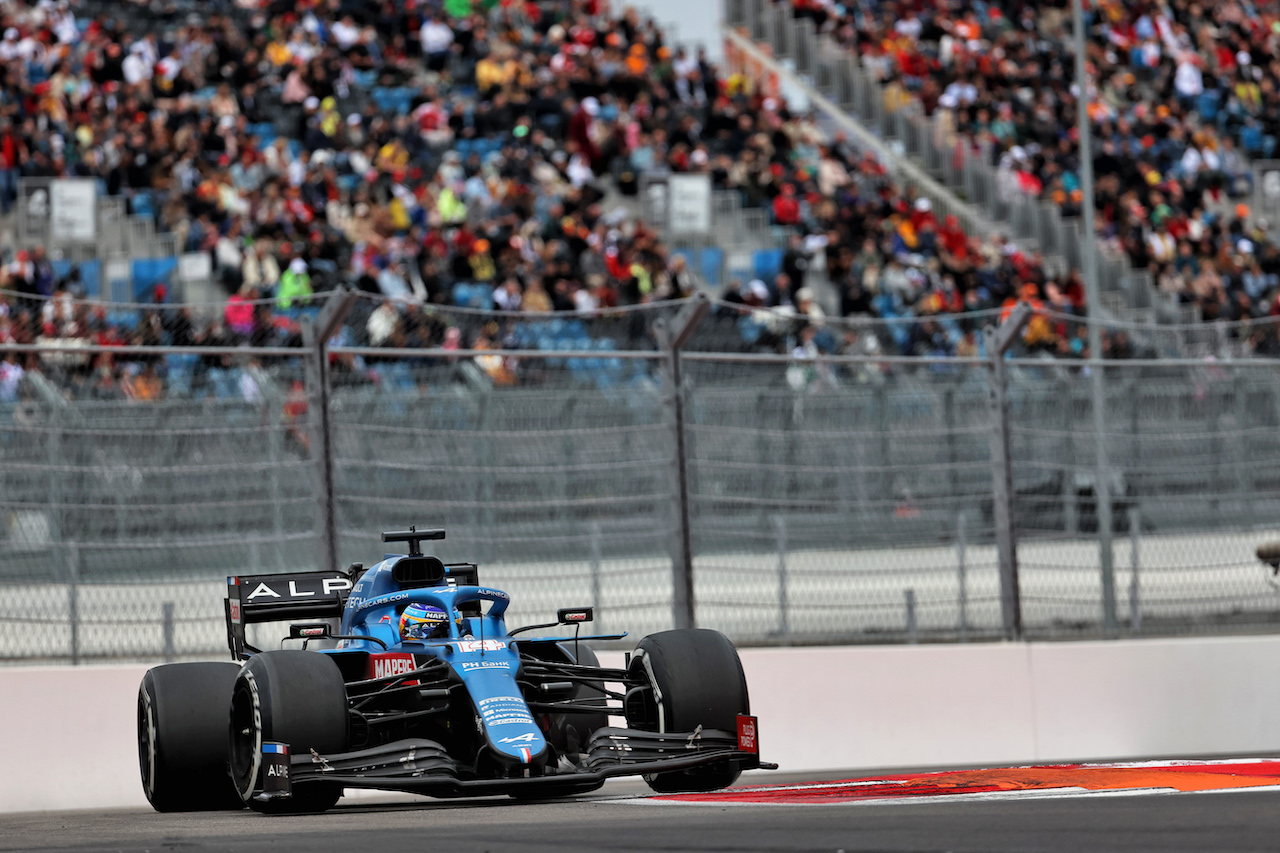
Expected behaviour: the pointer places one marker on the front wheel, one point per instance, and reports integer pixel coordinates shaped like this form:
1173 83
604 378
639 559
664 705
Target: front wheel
694 678
292 697
182 736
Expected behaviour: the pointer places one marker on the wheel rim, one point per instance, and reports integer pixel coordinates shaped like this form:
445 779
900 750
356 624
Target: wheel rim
246 737
147 744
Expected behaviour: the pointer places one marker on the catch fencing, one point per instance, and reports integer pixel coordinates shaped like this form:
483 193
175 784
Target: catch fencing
779 497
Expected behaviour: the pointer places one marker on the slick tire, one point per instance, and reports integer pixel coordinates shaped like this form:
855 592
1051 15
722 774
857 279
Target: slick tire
696 680
182 736
292 697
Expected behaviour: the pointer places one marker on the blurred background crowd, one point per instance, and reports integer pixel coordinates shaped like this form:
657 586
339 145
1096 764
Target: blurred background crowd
480 154
1183 95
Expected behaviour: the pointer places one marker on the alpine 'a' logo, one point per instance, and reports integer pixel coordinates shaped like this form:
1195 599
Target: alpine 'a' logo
527 737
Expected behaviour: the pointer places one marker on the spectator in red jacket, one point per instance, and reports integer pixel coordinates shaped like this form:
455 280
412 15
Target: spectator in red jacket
786 207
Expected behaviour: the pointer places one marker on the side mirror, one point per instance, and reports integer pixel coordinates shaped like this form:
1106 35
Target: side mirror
574 615
309 631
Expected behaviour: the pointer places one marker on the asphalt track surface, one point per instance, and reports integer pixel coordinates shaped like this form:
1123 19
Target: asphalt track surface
620 818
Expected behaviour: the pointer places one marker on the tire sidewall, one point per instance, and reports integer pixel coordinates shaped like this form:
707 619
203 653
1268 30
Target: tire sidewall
247 689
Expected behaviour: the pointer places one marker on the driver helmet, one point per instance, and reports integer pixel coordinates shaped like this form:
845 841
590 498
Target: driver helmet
423 622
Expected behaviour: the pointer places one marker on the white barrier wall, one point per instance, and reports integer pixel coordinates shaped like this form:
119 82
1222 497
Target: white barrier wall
72 737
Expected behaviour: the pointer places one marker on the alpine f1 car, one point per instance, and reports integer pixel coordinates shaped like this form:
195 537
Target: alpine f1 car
425 690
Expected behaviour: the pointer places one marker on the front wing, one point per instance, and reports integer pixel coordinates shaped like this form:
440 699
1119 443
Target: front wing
421 766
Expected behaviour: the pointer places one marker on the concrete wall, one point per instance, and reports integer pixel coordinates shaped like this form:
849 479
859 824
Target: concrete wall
72 737
696 24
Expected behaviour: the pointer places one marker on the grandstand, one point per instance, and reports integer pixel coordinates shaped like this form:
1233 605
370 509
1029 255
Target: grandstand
524 195
1180 104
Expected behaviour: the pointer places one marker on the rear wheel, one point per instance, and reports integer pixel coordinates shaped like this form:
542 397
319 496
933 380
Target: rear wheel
292 697
695 679
182 736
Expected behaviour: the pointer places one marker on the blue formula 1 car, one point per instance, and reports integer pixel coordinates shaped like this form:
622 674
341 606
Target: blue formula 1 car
427 691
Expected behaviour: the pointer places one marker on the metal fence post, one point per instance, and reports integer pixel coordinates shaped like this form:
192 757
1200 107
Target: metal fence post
166 611
73 599
780 534
913 630
953 456
315 342
275 453
962 581
1093 288
998 341
1069 493
1135 604
1244 471
595 537
672 338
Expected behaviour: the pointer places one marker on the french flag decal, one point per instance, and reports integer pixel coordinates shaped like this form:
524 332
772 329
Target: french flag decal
275 749
526 755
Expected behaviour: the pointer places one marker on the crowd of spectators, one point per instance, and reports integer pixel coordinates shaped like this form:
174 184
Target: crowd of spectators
257 134
1182 94
459 154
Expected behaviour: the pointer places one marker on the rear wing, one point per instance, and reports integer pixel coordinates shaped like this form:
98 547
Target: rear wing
275 598
307 595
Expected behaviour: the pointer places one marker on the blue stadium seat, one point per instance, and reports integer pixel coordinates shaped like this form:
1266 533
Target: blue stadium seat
749 329
1209 103
179 372
473 296
123 320
148 272
90 275
224 383
397 376
711 265
143 205
1251 139
766 263
392 100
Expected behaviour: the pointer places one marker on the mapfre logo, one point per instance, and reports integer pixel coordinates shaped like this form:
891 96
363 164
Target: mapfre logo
381 666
